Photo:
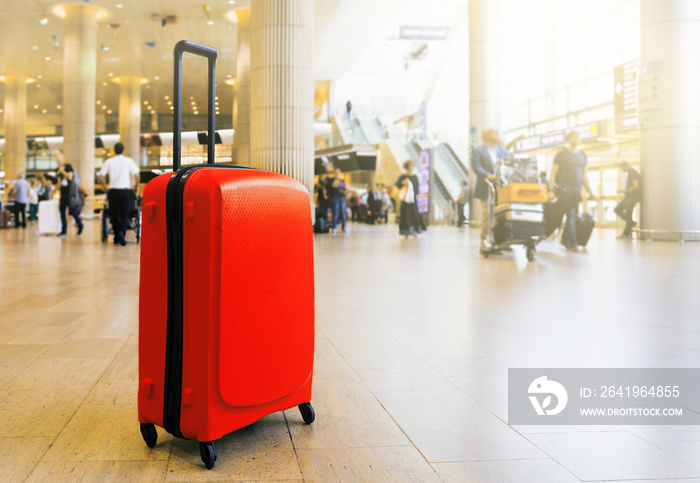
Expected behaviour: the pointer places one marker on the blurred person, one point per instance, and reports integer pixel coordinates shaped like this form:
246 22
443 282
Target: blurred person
354 201
569 174
33 196
124 177
543 177
387 204
348 107
336 195
632 195
45 188
20 191
70 201
321 197
462 200
410 224
374 204
484 161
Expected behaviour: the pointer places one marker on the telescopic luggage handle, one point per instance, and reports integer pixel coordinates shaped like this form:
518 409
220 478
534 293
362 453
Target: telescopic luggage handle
211 55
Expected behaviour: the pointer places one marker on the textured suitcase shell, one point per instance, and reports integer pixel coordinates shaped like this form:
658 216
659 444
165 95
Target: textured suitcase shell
248 299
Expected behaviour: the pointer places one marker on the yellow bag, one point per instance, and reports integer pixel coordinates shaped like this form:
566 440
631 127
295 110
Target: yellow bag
523 193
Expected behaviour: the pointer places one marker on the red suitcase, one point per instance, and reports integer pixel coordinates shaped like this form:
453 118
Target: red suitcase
226 312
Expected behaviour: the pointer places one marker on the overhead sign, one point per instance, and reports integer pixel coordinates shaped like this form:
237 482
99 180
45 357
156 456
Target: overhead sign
422 32
557 138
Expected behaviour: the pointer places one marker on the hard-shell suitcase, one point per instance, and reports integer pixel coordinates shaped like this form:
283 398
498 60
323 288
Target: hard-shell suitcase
226 297
49 217
584 228
531 212
516 230
522 193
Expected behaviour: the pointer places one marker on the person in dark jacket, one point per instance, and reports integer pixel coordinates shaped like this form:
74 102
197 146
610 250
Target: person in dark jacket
68 181
411 223
632 195
484 161
569 174
335 186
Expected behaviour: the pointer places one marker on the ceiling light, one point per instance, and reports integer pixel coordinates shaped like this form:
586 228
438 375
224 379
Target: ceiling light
109 111
44 19
39 77
169 102
157 78
34 47
167 97
191 97
47 59
104 107
111 74
119 5
229 76
231 2
1 111
210 22
38 85
36 107
145 102
43 111
99 102
58 106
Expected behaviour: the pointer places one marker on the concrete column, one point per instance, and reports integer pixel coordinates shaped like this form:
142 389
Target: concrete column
79 71
130 115
484 75
15 126
241 86
669 93
281 88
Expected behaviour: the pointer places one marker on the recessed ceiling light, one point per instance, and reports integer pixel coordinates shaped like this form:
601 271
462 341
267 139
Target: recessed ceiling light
167 97
231 2
111 74
104 107
47 59
148 87
43 111
36 107
210 22
109 111
35 47
191 97
145 102
169 102
39 77
157 77
58 106
38 85
119 5
98 102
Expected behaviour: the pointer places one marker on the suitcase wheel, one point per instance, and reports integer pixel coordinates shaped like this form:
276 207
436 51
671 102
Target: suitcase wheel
208 453
530 252
307 412
149 433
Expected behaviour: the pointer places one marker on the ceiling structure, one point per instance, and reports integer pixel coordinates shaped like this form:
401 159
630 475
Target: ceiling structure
134 40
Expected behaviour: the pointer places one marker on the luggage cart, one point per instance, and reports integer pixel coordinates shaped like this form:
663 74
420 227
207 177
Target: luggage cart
529 240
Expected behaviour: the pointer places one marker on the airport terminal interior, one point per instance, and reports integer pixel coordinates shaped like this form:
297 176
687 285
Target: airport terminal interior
451 255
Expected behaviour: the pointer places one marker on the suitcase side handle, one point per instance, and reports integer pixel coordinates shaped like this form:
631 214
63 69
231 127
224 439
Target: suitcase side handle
211 54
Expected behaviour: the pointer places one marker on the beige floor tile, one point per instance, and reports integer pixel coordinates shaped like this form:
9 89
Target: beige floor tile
511 471
84 349
104 471
262 451
106 433
7 373
450 426
106 325
329 365
20 355
347 415
113 391
382 380
19 455
386 464
467 366
37 413
59 374
614 455
125 364
34 333
688 451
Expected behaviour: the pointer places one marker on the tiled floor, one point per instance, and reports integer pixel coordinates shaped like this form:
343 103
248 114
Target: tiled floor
414 338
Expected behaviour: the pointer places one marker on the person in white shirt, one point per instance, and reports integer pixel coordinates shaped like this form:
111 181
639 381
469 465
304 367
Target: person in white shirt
21 191
124 176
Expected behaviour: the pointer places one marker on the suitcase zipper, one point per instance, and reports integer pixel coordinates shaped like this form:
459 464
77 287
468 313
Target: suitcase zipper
172 397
